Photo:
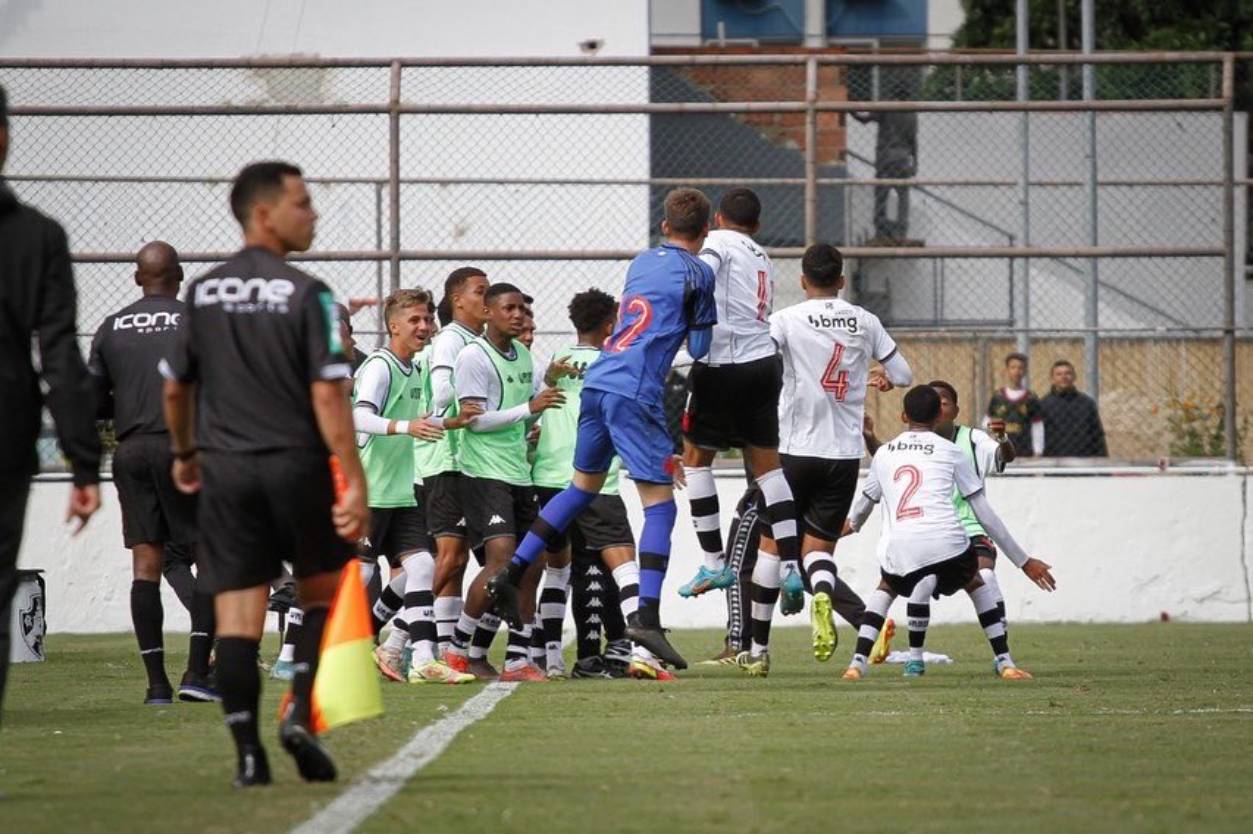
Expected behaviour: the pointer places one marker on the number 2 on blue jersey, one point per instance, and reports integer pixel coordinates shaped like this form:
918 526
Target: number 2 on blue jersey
638 306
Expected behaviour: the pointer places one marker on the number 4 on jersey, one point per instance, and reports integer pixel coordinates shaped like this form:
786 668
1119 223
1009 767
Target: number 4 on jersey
834 380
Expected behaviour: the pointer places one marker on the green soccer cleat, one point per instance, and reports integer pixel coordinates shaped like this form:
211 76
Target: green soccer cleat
756 665
826 638
914 669
708 580
791 590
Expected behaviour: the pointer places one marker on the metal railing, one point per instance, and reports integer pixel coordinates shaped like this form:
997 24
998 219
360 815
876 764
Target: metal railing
553 170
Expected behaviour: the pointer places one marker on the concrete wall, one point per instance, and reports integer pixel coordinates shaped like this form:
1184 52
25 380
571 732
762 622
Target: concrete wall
1124 549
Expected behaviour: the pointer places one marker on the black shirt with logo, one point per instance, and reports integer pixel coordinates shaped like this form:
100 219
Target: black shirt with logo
123 362
257 333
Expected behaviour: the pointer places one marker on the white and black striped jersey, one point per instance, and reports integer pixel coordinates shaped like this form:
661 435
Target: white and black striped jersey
744 293
827 345
914 477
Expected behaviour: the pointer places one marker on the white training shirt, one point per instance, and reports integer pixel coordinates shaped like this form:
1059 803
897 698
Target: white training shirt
827 345
913 476
744 294
445 348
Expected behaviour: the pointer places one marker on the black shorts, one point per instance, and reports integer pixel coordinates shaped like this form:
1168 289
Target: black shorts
823 491
495 509
445 513
601 526
153 510
261 509
395 531
984 547
952 575
734 405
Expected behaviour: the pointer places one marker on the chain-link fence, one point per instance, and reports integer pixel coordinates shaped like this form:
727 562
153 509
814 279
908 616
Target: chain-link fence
986 204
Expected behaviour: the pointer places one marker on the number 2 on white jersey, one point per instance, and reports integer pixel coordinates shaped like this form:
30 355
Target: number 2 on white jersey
834 380
903 509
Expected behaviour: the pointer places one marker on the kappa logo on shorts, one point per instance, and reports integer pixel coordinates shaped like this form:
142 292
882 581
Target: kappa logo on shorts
594 586
594 602
593 571
461 522
592 619
495 519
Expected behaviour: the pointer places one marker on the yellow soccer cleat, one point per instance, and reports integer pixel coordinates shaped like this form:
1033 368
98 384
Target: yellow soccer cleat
883 643
756 665
437 671
641 669
852 673
1013 673
826 638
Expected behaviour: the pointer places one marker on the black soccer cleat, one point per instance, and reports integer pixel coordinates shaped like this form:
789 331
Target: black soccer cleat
198 690
254 768
592 667
646 630
160 695
504 596
312 760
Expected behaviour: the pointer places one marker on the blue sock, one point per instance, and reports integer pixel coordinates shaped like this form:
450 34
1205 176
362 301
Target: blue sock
655 550
556 516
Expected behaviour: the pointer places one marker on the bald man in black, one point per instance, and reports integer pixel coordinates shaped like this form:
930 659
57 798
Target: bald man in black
123 363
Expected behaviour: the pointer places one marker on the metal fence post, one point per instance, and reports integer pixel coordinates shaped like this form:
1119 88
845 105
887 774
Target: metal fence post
1091 306
378 265
393 173
1230 437
811 151
1024 182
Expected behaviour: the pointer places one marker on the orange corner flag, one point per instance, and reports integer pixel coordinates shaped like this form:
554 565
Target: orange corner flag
346 688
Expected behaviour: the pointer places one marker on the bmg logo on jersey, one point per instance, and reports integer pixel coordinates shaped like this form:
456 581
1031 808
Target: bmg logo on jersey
245 295
147 322
849 323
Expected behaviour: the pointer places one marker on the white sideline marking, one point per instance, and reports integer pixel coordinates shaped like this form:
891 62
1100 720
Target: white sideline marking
383 781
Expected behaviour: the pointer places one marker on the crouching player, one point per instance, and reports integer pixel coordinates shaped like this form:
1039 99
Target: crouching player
923 542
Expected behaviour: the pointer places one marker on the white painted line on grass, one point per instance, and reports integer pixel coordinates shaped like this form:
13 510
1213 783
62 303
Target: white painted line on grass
369 793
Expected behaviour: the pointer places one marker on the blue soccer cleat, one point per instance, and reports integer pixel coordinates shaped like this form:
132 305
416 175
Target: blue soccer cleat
914 669
708 580
792 590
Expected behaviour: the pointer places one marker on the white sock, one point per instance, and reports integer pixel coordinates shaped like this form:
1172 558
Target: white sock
627 578
702 492
918 615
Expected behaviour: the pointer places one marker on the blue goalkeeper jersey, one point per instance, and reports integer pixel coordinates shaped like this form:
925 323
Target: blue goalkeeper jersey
668 292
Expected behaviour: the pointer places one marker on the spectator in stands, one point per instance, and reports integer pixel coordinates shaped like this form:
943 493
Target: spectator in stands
1017 410
1072 423
895 158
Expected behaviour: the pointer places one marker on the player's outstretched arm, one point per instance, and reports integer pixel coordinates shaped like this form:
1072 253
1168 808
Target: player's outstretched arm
335 423
1036 570
897 370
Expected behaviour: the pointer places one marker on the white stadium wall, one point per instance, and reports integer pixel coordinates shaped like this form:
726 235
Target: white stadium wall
1124 549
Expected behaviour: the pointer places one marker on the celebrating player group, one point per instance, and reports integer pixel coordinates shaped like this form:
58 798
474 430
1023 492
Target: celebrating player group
454 444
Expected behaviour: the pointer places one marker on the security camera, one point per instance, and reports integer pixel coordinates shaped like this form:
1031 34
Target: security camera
591 46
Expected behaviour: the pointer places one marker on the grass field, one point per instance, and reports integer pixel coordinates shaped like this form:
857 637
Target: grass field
1126 728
